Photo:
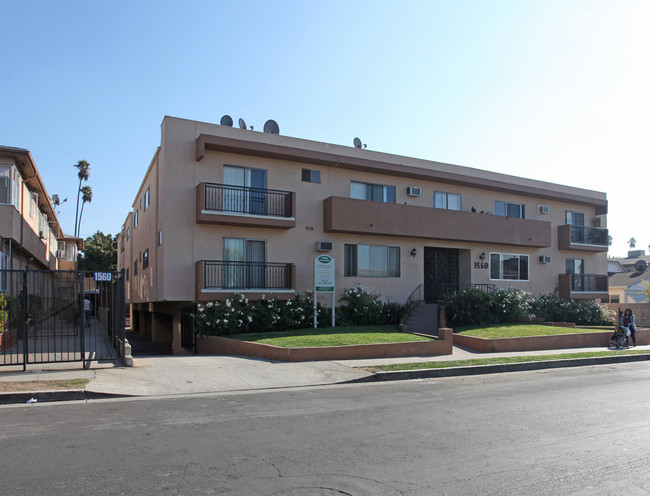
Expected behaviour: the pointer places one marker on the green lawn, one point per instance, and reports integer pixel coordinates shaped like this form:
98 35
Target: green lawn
523 330
497 360
331 336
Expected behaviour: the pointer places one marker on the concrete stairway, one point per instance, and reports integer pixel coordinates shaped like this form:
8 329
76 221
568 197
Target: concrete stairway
424 319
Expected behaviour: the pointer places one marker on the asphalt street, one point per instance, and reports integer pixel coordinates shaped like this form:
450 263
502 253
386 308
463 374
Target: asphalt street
582 431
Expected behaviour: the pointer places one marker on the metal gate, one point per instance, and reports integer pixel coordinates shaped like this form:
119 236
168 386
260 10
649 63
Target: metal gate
60 316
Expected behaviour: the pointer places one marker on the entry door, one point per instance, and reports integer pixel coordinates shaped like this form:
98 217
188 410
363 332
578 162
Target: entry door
440 272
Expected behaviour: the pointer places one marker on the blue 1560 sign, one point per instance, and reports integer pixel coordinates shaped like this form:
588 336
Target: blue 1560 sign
103 276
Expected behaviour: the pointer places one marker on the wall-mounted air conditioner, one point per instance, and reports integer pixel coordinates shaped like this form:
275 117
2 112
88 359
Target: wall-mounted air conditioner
544 259
414 191
542 209
324 246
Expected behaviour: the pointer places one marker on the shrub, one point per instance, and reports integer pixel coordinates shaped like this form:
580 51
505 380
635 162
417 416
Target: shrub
553 309
239 315
508 305
511 305
470 306
360 307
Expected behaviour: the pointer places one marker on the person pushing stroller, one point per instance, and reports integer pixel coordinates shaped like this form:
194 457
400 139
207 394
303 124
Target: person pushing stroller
628 322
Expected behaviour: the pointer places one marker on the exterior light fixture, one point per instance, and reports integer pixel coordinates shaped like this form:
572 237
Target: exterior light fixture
414 252
482 256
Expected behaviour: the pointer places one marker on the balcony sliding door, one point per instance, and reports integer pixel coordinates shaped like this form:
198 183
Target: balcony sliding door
244 263
247 191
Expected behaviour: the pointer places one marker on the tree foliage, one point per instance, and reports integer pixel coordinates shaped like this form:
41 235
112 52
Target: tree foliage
99 253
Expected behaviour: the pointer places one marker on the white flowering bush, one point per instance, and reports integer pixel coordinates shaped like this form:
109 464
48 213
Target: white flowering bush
240 315
473 306
359 307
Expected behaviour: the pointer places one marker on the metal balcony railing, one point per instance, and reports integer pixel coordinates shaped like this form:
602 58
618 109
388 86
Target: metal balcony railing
219 274
246 200
589 235
589 283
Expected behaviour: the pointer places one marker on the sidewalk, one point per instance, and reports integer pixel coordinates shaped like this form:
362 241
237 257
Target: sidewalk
176 375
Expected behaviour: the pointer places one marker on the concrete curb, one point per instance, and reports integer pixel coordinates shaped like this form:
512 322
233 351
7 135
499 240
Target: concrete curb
402 375
51 396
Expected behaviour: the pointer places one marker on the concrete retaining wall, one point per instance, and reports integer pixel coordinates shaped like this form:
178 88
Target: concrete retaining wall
216 345
554 342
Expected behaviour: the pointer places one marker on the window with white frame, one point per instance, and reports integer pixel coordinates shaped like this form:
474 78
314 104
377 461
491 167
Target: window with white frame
145 259
449 201
371 261
147 199
135 219
10 186
507 209
33 204
373 192
508 266
160 238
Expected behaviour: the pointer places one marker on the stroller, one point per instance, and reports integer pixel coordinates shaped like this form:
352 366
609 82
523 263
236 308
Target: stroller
619 338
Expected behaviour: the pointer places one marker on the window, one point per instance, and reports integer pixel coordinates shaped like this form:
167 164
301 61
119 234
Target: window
128 233
450 201
135 220
160 238
127 273
310 176
10 186
146 199
506 209
506 266
371 261
135 268
575 218
145 259
374 192
33 204
43 227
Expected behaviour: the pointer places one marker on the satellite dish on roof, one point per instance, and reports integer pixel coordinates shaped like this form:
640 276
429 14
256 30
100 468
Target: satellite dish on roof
640 266
242 123
272 127
357 143
226 120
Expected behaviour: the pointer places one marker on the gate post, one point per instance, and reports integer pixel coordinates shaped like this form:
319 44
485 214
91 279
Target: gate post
25 322
82 319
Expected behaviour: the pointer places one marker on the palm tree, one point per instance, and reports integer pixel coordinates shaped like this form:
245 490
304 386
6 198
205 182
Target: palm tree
86 197
83 168
632 243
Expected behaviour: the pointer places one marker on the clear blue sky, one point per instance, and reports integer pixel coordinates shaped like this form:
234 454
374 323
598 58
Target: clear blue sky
554 90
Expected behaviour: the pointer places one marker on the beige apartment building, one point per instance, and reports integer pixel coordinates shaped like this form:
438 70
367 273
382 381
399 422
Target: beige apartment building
224 210
30 234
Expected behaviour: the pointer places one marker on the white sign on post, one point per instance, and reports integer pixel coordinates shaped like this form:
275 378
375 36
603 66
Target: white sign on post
324 276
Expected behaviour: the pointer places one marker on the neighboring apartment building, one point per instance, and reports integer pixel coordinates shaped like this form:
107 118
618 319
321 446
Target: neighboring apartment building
30 234
224 210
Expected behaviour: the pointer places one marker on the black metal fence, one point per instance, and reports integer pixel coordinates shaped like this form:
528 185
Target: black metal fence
589 235
589 283
246 200
247 275
60 316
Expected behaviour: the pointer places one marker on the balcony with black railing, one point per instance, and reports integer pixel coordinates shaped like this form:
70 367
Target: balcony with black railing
217 279
583 286
245 206
583 238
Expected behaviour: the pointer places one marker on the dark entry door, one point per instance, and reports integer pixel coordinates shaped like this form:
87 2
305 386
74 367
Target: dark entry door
440 272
